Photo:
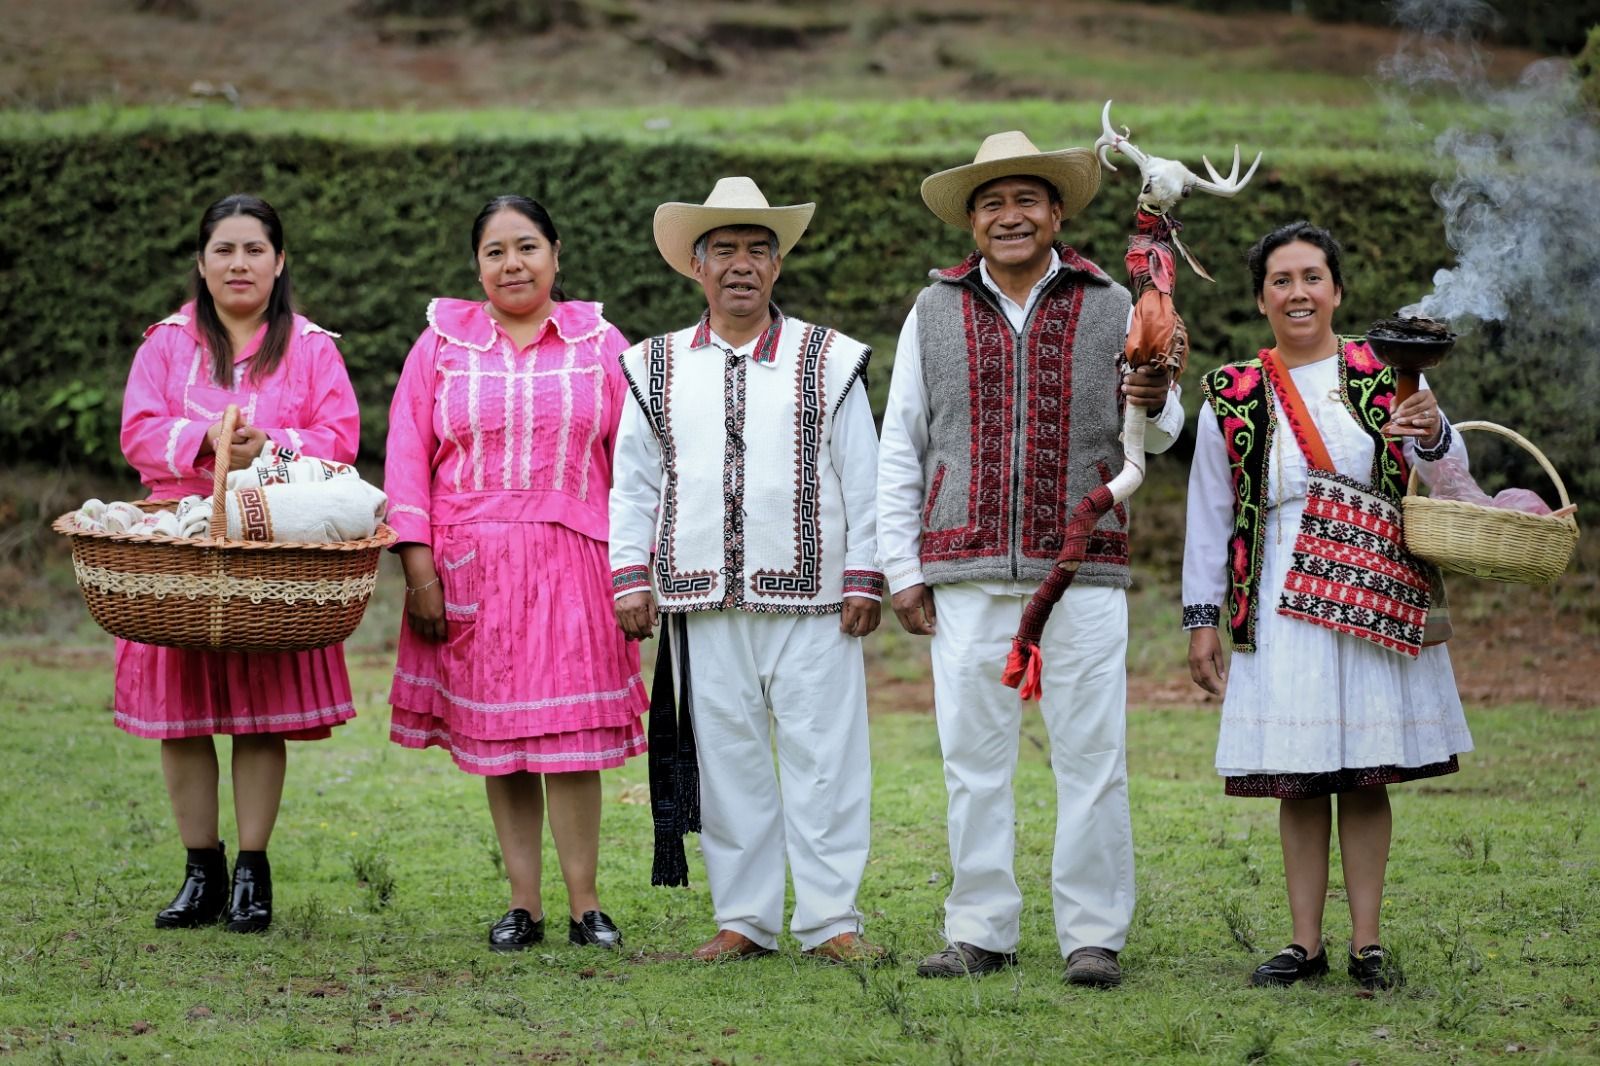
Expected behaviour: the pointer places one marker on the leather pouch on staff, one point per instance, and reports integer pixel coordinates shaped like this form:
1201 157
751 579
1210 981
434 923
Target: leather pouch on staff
1154 327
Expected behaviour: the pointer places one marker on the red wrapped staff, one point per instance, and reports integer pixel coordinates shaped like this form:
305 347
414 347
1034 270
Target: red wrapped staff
1156 337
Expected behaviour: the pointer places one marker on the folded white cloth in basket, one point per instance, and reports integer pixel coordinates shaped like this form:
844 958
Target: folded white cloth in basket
190 518
344 508
284 466
194 516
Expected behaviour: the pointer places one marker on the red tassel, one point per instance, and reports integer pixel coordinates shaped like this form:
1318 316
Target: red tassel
1022 669
1016 663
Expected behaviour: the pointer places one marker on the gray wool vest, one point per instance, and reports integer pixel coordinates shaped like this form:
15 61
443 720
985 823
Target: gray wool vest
1021 425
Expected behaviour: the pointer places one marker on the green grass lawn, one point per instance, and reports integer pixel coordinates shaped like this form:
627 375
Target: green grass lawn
388 876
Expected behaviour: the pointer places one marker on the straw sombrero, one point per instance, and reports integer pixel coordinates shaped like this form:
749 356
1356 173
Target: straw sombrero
734 202
1073 171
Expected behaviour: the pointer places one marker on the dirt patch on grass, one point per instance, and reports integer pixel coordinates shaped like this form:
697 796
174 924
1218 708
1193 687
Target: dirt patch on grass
323 54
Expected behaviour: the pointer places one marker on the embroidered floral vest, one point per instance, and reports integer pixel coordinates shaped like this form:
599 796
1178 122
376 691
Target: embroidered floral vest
1240 398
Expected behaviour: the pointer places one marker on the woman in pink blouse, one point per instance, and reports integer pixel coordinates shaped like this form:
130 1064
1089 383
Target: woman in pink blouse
499 464
238 342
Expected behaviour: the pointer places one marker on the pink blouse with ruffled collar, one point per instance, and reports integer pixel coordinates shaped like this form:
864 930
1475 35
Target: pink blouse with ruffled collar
482 431
306 404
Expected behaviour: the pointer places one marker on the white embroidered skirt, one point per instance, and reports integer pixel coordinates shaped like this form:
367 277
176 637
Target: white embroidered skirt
1310 700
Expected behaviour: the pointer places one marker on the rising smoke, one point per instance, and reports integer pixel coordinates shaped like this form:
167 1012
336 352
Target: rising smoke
1519 207
1520 200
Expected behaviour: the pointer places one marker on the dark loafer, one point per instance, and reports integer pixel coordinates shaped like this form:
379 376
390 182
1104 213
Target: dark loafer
1290 965
204 895
964 960
595 928
1372 969
250 909
1094 968
516 931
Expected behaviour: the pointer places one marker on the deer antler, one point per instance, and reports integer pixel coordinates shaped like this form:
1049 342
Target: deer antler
1167 181
1227 186
1110 138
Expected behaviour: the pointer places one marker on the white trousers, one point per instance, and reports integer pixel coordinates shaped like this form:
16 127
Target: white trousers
752 672
980 722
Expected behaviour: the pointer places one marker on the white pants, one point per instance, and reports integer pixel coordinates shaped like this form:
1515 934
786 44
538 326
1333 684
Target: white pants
800 673
980 720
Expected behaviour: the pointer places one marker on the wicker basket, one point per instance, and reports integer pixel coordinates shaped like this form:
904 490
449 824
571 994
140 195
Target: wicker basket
1491 542
217 594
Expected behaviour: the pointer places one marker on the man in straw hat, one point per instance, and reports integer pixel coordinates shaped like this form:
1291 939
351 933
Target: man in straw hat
1004 410
747 468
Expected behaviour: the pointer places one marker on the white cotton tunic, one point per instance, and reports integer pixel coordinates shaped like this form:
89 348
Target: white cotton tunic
1311 700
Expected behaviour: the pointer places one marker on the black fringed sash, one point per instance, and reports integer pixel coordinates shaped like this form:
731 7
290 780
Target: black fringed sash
674 766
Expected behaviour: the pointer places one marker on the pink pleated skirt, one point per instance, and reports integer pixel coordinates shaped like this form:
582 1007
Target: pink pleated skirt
535 674
169 693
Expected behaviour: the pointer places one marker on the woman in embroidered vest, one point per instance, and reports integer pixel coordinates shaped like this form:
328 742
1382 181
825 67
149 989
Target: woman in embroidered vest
1308 711
499 465
238 342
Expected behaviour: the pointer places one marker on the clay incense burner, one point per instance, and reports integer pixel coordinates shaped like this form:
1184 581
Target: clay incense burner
1410 345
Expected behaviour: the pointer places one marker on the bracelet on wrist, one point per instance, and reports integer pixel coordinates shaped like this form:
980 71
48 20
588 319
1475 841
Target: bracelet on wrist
422 587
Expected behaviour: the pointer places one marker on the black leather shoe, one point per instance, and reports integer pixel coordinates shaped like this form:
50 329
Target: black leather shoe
1372 969
204 894
1290 965
596 928
516 931
250 909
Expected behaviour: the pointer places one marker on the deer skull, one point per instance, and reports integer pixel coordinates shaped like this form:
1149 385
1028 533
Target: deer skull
1167 181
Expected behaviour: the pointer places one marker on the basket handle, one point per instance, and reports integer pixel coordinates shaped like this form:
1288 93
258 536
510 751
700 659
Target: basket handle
1516 438
219 478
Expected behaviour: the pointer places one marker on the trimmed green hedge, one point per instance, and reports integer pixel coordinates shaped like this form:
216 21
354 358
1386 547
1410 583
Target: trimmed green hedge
95 239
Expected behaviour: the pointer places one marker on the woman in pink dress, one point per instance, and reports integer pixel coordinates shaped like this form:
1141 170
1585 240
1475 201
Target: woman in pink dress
499 465
239 342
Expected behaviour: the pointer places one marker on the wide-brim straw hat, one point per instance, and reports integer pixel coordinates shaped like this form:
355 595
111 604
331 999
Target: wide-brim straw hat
734 201
1073 171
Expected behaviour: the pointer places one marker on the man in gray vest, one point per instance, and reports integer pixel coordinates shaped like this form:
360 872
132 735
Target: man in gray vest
1004 410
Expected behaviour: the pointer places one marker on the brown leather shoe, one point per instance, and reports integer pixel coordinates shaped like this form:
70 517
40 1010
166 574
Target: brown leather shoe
848 948
729 946
965 960
1094 967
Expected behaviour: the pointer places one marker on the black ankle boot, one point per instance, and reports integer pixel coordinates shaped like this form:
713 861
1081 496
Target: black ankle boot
250 910
204 894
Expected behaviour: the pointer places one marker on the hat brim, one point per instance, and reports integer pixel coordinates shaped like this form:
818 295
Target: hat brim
678 226
1073 171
